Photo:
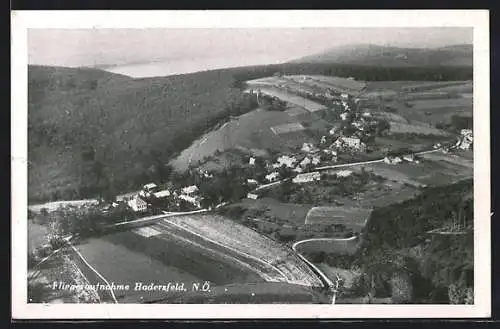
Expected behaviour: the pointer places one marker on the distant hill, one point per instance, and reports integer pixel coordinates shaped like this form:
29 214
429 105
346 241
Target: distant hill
90 130
387 56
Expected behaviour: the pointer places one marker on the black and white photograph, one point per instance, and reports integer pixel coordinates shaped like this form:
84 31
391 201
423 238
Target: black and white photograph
315 162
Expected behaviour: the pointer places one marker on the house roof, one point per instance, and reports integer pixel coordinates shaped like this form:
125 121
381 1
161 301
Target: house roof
162 194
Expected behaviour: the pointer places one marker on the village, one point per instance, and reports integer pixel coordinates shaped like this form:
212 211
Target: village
349 136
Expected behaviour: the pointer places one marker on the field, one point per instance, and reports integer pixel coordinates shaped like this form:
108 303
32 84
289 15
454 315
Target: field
340 83
249 131
350 217
238 237
294 214
401 128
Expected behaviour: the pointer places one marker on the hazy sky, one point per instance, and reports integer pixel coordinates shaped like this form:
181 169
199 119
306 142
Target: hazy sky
103 47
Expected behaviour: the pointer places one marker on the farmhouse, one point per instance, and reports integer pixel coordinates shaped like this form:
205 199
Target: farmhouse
307 177
150 187
286 160
252 181
308 148
343 173
137 204
162 194
272 176
352 142
195 201
189 189
252 196
251 162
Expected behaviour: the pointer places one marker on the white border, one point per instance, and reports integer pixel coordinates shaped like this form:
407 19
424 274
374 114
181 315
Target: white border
22 20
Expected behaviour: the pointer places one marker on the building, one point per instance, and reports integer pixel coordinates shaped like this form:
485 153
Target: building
344 116
189 189
332 131
343 173
366 114
298 169
251 161
162 194
195 201
323 140
352 142
138 204
316 160
252 196
344 95
252 181
272 176
307 177
409 158
306 161
286 160
308 148
392 160
150 187
466 132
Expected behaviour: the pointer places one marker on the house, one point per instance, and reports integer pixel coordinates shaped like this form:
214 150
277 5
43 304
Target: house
252 181
252 196
189 189
298 169
344 116
195 201
307 177
352 142
344 95
466 132
138 204
323 140
465 144
272 176
338 143
286 160
316 160
251 162
409 157
366 114
150 187
306 161
343 173
436 146
308 147
162 194
332 131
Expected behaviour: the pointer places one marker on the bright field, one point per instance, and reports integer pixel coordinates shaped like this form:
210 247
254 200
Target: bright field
249 131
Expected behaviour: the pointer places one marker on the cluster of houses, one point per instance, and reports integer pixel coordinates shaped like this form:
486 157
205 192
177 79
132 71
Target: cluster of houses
141 201
409 158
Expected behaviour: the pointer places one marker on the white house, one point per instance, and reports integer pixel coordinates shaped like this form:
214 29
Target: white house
193 200
332 131
308 147
162 194
272 176
307 177
298 169
150 187
286 160
465 144
352 142
252 196
323 140
252 181
137 204
344 95
343 173
305 162
466 132
316 160
366 114
189 189
409 157
344 116
251 161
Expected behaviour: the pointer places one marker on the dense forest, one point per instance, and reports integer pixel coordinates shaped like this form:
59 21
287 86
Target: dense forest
94 133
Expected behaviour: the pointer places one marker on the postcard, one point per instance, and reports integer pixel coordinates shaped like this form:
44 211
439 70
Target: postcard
250 164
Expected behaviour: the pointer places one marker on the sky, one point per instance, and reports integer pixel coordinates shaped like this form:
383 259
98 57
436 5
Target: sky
214 47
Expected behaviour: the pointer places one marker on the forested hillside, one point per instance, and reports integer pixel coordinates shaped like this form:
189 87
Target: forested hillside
93 132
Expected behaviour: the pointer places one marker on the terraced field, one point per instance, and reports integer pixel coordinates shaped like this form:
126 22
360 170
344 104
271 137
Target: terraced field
289 268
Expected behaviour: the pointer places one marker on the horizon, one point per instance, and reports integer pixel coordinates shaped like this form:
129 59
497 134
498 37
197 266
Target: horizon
177 51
